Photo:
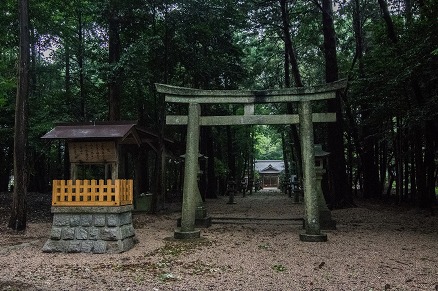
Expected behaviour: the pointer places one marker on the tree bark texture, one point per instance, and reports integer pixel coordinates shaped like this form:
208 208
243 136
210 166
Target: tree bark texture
231 154
290 57
207 148
114 85
17 220
80 58
288 44
390 28
341 195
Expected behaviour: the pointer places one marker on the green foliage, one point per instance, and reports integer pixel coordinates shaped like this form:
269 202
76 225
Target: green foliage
7 87
268 143
220 168
213 45
386 91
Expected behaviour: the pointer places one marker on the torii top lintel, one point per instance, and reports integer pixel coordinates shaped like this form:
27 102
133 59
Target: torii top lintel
176 94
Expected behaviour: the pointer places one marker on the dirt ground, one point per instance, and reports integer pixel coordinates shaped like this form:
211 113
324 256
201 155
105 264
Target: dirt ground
375 247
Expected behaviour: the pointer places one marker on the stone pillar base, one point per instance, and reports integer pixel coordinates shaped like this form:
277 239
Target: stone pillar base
203 222
91 230
325 220
178 234
202 219
313 237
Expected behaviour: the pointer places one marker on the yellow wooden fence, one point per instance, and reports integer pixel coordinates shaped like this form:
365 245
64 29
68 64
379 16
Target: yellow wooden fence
92 192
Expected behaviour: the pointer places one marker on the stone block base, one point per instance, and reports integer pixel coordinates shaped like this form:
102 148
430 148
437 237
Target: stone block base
91 230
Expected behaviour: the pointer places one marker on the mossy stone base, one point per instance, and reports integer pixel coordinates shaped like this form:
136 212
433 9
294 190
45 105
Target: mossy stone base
178 234
313 237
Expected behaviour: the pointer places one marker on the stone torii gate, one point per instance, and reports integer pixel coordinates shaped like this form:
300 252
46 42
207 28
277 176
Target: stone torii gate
194 120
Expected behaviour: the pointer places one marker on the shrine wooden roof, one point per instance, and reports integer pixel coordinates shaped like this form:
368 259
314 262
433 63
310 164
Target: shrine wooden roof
90 131
269 166
126 132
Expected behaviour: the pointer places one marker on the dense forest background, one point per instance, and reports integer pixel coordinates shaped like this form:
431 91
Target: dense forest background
98 60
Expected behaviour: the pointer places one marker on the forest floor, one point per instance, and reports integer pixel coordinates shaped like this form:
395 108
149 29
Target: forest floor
375 247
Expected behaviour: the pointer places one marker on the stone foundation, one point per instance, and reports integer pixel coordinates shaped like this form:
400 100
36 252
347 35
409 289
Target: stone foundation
91 230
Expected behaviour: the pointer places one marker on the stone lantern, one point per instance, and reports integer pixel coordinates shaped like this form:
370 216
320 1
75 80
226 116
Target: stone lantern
325 216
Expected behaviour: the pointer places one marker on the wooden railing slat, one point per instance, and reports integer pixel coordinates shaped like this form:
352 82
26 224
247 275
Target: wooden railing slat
93 193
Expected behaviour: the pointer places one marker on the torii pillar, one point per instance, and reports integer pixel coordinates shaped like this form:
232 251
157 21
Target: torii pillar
311 203
190 188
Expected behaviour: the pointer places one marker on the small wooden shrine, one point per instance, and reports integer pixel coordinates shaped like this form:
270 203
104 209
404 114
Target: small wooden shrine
95 215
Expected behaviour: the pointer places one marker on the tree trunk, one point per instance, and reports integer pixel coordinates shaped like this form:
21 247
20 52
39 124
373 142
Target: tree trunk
251 162
370 169
398 157
429 164
341 196
290 57
413 194
17 220
367 150
114 84
383 162
160 189
420 170
231 155
80 59
390 28
208 149
288 44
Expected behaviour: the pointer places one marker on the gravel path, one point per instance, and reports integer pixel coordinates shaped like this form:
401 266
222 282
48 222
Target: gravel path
374 248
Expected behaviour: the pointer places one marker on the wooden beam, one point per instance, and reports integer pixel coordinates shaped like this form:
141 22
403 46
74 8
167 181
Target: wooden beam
250 119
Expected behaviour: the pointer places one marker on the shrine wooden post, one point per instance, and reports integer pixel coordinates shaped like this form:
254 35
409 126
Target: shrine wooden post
306 118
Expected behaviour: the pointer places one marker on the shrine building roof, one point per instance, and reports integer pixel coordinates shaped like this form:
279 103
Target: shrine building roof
127 132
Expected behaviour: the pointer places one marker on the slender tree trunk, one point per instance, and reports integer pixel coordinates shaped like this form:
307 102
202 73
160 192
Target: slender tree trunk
351 124
413 194
231 155
398 161
431 147
114 47
408 10
160 189
390 28
341 195
290 57
208 149
285 155
366 152
288 44
251 162
67 78
383 162
420 171
17 220
80 59
286 160
407 176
